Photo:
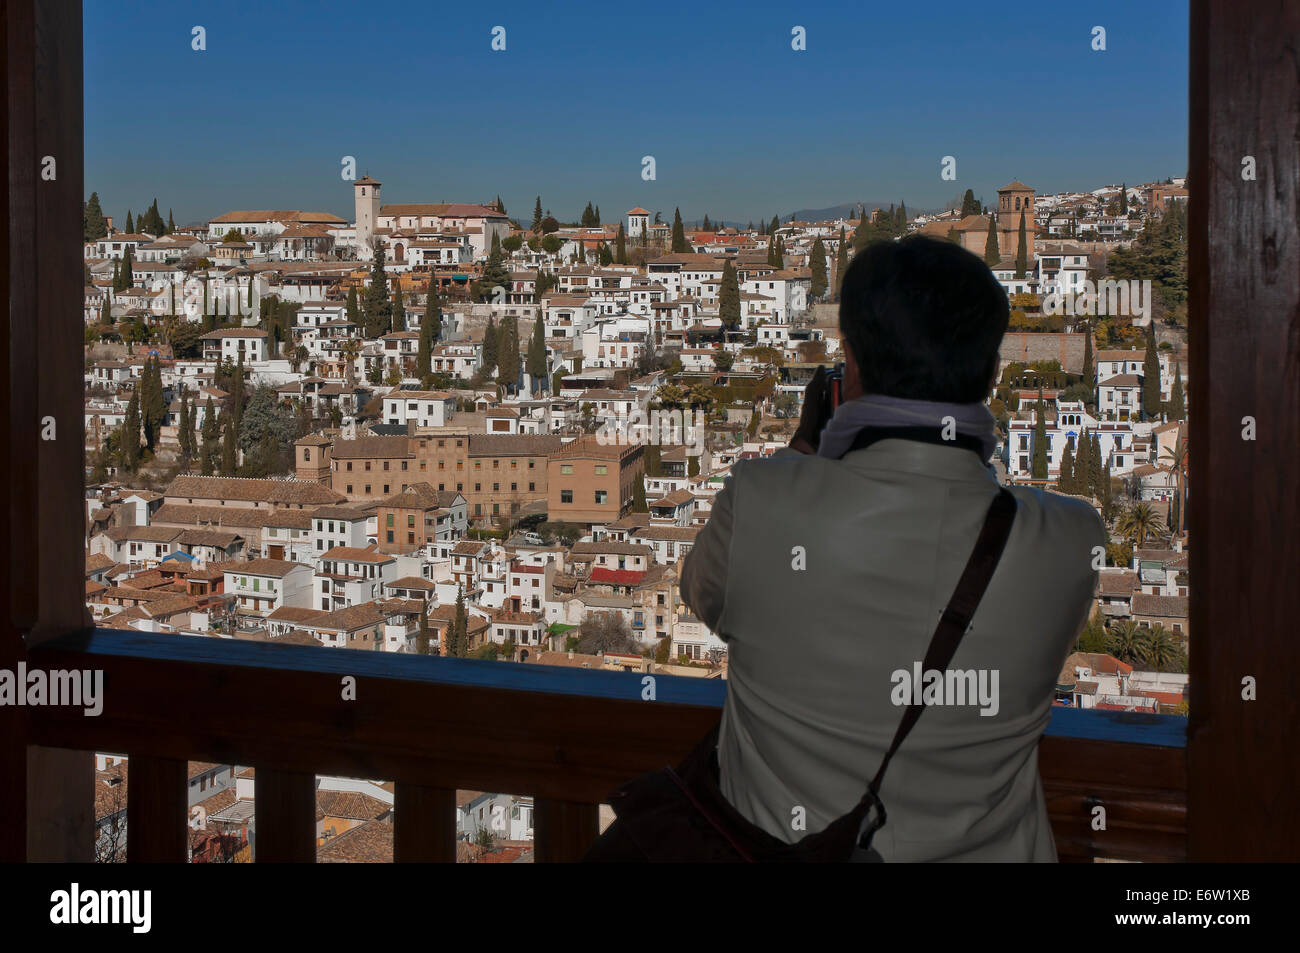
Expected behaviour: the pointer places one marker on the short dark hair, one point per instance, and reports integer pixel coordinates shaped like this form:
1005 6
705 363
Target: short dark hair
923 318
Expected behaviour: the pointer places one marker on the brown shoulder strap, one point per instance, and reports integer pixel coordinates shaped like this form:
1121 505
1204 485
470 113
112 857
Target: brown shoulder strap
958 613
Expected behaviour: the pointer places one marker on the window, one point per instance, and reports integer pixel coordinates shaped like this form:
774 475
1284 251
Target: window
566 496
601 469
566 468
390 535
601 495
349 489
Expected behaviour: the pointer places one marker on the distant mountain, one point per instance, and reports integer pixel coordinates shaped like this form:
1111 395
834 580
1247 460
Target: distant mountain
846 210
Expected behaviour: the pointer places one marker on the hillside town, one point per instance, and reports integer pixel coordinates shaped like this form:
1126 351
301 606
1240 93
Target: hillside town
441 429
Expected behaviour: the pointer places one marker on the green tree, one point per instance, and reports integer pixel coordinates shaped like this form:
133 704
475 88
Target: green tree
430 328
1139 523
126 275
639 504
422 636
620 246
969 205
536 365
378 306
229 459
679 245
1039 461
841 262
130 439
153 408
1127 641
1065 481
495 274
991 254
354 311
130 223
1151 403
1161 651
458 632
1123 200
729 297
208 452
399 310
1089 372
508 352
1177 409
537 215
817 261
94 224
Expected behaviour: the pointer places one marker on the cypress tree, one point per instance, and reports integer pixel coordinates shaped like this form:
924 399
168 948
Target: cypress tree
991 254
399 310
354 312
679 245
117 276
96 226
729 298
131 434
130 223
237 393
171 224
208 452
595 220
378 307
106 312
817 261
1089 372
1177 402
457 633
1123 200
229 459
537 215
428 334
1151 376
969 206
620 254
1039 461
537 353
422 636
128 277
775 224
1022 249
1082 468
639 504
1065 482
1105 485
508 352
186 429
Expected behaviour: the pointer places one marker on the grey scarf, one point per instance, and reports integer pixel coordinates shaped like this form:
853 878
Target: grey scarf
877 410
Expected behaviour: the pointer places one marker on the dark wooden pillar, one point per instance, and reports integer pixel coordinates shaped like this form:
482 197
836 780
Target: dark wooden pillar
1244 504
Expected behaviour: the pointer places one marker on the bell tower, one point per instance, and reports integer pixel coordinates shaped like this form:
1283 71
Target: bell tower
366 194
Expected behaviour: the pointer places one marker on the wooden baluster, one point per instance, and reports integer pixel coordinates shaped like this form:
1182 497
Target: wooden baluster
286 817
424 825
563 830
157 828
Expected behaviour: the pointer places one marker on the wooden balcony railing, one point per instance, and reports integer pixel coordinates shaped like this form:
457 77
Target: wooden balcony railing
432 725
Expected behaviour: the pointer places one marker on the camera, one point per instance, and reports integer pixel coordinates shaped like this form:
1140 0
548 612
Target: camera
835 386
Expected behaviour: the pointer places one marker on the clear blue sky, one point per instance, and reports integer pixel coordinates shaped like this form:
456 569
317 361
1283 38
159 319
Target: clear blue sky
741 126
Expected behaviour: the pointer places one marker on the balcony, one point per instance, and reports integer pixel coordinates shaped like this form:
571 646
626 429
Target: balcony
434 725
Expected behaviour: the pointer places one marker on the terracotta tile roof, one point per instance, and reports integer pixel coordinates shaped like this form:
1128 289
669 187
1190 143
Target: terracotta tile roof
277 568
243 489
353 805
372 447
1174 607
512 444
368 843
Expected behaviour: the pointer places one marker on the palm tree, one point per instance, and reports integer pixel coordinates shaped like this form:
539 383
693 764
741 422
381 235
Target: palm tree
351 349
1177 457
699 396
670 396
1139 523
1127 641
1162 652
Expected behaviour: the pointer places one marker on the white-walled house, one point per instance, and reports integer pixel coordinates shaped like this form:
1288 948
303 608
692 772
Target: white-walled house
260 586
234 343
428 408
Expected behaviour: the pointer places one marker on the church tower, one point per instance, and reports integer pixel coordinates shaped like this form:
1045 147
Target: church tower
366 193
312 459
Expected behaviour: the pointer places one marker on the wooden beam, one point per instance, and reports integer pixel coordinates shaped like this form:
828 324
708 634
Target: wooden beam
285 822
156 801
1244 309
424 825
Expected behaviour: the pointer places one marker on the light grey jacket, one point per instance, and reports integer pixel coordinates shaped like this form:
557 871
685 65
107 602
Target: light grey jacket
885 533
